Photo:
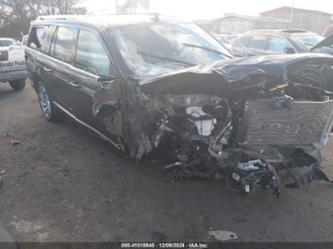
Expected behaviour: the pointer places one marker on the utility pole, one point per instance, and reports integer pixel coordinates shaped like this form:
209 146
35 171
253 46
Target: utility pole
117 7
291 24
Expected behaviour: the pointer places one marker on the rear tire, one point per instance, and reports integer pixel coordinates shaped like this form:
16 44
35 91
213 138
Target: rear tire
17 85
50 112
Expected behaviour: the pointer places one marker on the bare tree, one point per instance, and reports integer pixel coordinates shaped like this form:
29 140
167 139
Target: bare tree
62 7
133 6
17 14
30 9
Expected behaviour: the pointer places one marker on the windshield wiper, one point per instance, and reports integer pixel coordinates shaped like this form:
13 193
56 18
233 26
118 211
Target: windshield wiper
165 58
204 48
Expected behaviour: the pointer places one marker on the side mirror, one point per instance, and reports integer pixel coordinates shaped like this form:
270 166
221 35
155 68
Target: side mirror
289 51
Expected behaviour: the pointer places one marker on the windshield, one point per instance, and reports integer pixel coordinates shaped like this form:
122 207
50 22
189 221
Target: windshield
5 43
307 41
158 48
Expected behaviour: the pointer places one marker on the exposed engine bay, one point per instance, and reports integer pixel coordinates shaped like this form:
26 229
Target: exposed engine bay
244 124
212 137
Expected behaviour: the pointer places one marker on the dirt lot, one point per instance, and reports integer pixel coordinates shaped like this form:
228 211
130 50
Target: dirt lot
62 183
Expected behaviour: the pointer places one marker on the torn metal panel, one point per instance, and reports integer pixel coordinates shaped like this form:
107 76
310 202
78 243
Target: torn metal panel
108 94
137 122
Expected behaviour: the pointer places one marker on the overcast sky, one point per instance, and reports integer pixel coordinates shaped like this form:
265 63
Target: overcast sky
207 9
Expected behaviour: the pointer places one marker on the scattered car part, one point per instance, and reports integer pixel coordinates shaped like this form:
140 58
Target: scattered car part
14 141
222 235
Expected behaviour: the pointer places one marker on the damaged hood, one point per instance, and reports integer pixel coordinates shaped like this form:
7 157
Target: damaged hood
228 75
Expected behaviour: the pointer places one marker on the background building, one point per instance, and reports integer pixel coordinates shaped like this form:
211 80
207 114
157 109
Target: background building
312 20
233 23
205 24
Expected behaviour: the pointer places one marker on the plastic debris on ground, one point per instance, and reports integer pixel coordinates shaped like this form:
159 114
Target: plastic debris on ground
222 235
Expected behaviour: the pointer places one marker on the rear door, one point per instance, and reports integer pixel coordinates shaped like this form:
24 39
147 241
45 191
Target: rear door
38 48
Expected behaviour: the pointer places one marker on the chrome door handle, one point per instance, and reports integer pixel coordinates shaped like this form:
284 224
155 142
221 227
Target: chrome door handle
46 69
73 84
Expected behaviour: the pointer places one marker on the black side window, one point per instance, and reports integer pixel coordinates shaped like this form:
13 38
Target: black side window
258 42
40 38
91 55
63 44
279 44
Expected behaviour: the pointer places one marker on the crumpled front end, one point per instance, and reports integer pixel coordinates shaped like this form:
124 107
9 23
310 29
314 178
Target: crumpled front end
223 122
245 142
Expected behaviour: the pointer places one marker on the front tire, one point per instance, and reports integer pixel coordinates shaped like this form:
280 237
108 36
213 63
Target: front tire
50 112
316 78
17 85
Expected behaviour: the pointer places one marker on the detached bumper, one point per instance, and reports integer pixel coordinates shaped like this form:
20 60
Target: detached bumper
12 75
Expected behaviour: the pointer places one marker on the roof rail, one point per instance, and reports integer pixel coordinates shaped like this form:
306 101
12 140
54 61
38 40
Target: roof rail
60 17
294 31
125 14
73 17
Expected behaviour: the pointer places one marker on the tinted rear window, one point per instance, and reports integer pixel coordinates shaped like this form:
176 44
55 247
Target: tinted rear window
258 42
64 44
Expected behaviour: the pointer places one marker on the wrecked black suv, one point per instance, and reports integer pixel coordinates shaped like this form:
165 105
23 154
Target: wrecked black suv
149 82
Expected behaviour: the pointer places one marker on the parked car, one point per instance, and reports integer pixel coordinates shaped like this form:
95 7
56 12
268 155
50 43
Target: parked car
226 39
12 63
275 42
147 82
264 42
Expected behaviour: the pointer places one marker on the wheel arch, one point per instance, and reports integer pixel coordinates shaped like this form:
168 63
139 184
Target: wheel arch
35 79
316 76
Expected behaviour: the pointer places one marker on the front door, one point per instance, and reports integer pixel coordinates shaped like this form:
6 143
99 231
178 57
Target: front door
59 68
91 83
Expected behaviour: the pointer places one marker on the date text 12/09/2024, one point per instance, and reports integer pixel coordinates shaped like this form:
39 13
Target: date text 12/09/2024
163 245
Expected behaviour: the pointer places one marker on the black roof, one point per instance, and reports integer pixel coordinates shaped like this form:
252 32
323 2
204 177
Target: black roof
279 31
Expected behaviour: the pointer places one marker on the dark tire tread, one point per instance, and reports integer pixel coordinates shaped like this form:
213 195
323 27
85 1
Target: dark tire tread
17 85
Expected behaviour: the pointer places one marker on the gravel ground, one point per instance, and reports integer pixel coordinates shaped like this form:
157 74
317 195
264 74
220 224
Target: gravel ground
62 183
